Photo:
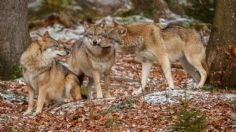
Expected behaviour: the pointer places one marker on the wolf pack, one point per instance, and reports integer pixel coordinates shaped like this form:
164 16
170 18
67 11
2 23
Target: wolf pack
94 54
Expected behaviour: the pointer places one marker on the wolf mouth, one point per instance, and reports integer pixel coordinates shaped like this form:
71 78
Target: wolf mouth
62 57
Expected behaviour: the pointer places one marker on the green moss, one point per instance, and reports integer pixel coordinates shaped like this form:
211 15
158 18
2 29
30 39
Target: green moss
125 13
17 72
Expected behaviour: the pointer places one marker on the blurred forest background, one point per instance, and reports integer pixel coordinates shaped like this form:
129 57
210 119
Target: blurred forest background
198 14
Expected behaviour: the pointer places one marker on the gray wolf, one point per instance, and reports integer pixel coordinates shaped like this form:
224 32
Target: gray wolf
93 57
150 44
45 76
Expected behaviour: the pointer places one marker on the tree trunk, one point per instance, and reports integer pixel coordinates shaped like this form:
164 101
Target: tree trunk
221 50
13 35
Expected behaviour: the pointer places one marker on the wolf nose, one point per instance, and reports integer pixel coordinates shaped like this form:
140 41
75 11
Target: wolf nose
67 52
94 42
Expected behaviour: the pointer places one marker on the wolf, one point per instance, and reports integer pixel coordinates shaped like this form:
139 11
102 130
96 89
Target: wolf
150 44
45 76
93 57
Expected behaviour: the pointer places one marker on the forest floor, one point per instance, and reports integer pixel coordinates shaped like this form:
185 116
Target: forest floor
152 111
155 110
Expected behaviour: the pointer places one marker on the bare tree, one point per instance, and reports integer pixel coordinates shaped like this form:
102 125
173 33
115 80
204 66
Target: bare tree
13 35
221 50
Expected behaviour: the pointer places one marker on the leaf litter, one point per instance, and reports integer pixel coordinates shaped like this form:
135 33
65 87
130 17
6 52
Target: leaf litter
152 111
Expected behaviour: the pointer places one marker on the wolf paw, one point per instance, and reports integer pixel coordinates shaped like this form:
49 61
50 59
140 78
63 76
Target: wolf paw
28 112
170 88
64 100
108 95
99 96
137 92
197 86
36 113
90 97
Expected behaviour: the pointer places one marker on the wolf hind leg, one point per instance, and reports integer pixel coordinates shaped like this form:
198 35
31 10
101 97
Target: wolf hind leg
196 61
72 88
190 69
166 68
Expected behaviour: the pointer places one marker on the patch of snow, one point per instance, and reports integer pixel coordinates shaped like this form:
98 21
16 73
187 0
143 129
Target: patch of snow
126 20
228 97
174 96
12 96
21 81
58 31
174 18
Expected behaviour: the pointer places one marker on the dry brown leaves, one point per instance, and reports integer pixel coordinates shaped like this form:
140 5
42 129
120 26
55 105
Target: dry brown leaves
123 113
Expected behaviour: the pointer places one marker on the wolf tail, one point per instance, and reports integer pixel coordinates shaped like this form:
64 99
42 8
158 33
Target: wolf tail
205 66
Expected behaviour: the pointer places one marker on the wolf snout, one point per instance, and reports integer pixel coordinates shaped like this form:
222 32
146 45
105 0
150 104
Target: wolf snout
67 52
95 42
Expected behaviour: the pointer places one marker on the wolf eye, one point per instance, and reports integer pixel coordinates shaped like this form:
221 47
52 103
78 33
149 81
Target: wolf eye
52 46
87 34
103 34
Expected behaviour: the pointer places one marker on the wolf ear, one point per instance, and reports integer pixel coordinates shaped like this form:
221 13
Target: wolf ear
102 23
40 39
86 25
123 30
46 34
115 24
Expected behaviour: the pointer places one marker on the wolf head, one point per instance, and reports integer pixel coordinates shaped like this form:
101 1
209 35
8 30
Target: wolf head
115 34
50 48
96 35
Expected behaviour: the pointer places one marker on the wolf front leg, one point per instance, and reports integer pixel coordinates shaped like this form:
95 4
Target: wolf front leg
97 85
41 99
146 66
166 68
107 84
30 101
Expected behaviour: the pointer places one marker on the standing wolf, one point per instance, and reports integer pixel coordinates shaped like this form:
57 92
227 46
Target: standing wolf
94 58
151 44
44 76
